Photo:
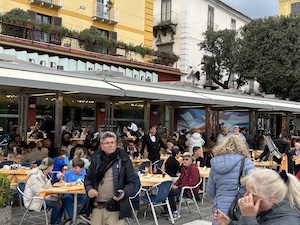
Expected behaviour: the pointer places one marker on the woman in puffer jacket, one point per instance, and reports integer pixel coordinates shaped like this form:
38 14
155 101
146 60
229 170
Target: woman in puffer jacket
40 180
195 140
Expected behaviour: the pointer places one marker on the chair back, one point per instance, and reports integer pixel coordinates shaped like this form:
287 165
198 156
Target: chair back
159 164
7 162
163 190
134 197
27 164
145 164
21 188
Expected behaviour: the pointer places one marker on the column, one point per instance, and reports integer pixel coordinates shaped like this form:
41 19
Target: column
252 122
207 123
58 118
146 115
171 120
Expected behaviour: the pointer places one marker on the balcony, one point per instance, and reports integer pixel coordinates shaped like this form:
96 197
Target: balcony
165 22
104 13
57 4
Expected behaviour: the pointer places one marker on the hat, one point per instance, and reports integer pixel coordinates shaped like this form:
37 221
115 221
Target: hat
187 154
46 162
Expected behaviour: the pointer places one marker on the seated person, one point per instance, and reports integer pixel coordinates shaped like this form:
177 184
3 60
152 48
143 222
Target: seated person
131 149
80 153
9 148
172 164
198 155
77 173
34 153
169 148
39 180
189 176
59 162
296 154
20 144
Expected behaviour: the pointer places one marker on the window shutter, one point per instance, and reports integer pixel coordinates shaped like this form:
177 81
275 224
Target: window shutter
31 14
57 21
113 36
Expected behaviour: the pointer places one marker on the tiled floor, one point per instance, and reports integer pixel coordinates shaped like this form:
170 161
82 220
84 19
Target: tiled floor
187 218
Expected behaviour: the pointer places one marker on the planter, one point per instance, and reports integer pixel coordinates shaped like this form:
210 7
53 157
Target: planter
5 215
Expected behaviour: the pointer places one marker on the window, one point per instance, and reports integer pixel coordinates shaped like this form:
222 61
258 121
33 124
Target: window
210 18
233 24
295 8
165 11
42 36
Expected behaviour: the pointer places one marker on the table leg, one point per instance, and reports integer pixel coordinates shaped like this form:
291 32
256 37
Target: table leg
74 219
204 187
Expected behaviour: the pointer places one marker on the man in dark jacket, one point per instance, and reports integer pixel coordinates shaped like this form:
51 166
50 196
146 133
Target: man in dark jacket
154 143
109 182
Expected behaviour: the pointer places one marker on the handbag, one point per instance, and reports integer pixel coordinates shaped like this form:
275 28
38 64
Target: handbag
234 212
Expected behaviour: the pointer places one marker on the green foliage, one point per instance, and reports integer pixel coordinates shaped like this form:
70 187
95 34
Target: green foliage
46 27
269 52
62 32
5 195
218 60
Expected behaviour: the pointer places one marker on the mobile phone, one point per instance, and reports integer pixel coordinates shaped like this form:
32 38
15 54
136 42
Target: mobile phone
118 194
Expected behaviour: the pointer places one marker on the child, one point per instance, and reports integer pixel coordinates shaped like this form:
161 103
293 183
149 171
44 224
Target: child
78 172
59 162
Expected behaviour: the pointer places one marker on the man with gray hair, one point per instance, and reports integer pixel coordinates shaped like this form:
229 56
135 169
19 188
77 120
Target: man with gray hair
109 182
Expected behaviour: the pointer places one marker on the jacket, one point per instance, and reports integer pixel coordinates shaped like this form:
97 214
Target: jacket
70 176
279 214
37 182
152 147
223 179
123 179
195 140
189 177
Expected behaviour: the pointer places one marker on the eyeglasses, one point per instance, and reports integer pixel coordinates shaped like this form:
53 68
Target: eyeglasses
109 143
185 159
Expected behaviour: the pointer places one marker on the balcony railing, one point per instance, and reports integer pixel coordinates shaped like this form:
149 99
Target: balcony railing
165 18
51 3
104 13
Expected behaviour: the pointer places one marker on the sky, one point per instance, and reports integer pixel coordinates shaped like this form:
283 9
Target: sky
254 8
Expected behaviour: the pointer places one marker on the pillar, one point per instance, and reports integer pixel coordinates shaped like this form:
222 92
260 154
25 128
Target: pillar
207 123
252 122
58 118
146 115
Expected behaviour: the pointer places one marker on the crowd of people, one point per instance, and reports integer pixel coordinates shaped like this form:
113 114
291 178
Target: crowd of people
105 167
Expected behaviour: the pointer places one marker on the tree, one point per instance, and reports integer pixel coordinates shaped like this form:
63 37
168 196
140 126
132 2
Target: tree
269 53
218 61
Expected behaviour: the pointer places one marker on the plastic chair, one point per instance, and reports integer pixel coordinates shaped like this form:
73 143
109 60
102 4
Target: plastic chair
159 164
144 165
43 202
27 164
185 197
161 198
134 199
21 186
7 162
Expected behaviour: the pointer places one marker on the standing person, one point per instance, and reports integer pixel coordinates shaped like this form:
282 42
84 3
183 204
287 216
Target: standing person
271 198
249 138
236 131
194 140
222 135
39 180
48 126
109 182
225 168
154 144
189 176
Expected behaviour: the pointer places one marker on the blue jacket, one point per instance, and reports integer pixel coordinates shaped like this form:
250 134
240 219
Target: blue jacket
60 163
223 179
70 176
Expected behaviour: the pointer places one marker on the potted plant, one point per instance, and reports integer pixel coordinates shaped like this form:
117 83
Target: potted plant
5 200
109 4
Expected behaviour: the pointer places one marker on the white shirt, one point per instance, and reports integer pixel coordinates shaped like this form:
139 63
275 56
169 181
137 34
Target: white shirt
133 127
152 137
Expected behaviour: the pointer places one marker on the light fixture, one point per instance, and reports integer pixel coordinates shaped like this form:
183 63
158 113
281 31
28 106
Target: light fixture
102 110
32 106
154 112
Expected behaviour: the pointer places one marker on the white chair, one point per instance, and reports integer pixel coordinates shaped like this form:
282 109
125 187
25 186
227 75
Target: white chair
43 202
185 197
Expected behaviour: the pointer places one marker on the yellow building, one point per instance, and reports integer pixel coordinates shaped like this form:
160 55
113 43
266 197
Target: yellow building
287 7
127 21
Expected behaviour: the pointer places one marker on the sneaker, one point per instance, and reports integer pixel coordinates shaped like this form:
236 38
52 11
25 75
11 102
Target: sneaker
85 218
176 216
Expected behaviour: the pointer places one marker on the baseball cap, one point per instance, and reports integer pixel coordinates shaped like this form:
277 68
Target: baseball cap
187 154
46 162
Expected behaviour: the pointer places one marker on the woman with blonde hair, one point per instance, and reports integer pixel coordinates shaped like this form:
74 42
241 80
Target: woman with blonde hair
271 198
225 168
80 153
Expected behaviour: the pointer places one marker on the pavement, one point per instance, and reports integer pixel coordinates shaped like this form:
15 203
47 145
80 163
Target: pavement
186 218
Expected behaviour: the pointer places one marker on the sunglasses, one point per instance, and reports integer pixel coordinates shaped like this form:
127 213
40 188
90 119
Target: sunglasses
185 159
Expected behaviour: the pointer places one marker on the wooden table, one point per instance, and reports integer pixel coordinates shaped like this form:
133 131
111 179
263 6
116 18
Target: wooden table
78 140
265 163
15 176
154 179
135 162
78 189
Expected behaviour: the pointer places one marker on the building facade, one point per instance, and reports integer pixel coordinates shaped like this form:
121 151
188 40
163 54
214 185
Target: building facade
179 25
289 7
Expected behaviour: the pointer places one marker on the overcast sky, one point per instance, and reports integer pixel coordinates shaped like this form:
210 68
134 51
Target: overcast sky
255 8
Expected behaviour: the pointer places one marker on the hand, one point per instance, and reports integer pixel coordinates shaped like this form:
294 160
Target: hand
92 193
174 187
257 160
247 206
120 196
221 218
59 175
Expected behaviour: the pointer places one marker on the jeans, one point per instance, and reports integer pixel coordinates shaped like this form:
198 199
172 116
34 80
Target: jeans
171 197
69 199
56 213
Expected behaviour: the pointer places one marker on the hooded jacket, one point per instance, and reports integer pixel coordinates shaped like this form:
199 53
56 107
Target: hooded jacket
37 182
279 214
223 179
195 140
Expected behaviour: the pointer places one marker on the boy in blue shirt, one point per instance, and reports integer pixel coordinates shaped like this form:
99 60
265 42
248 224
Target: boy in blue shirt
71 176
